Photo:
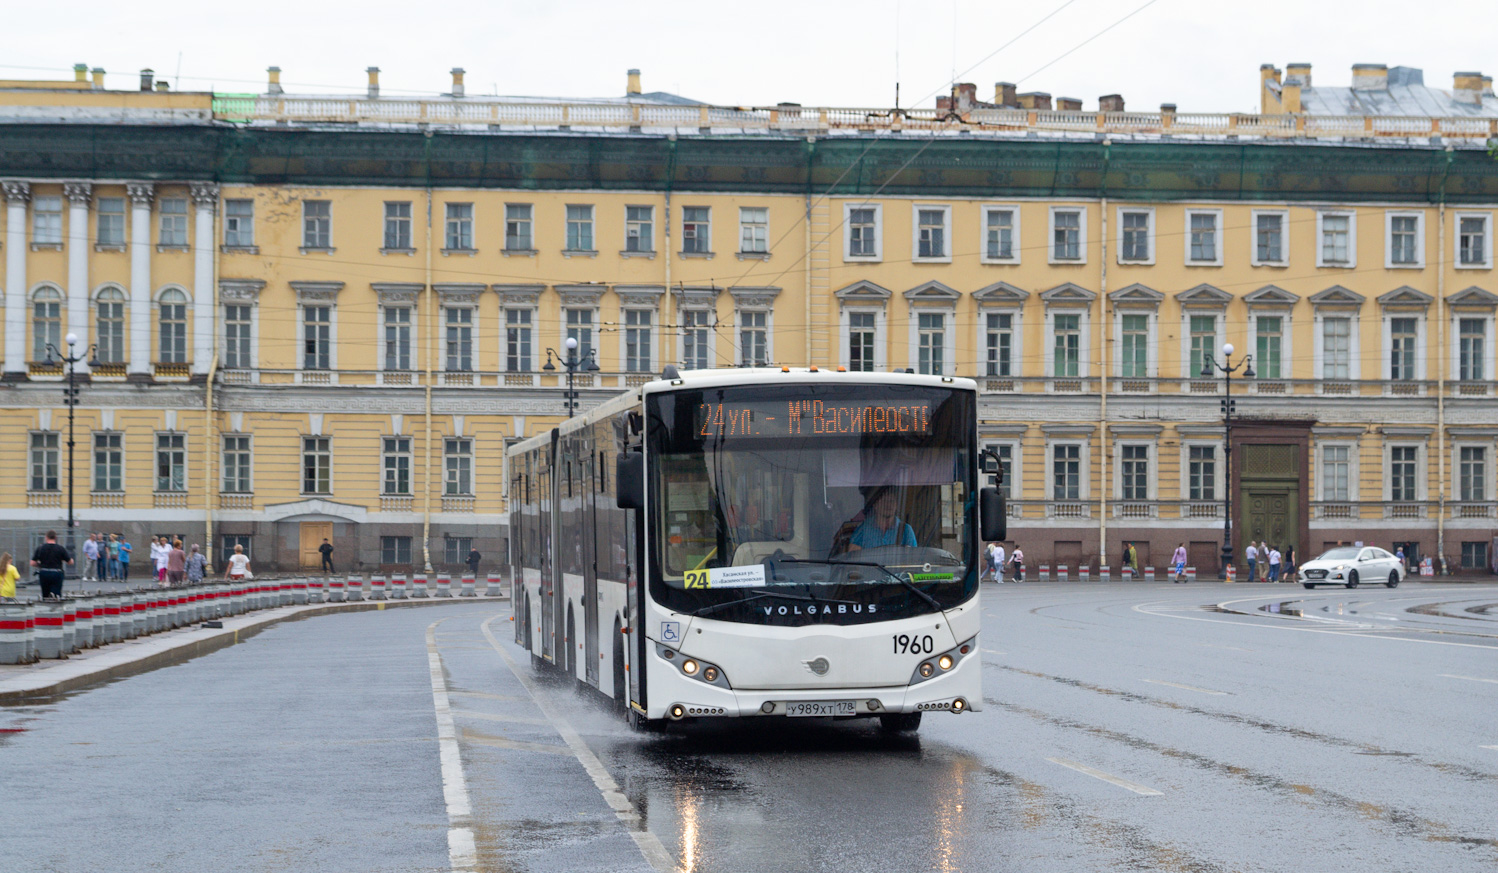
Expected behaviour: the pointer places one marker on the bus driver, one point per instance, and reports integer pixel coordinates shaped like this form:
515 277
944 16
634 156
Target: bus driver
881 526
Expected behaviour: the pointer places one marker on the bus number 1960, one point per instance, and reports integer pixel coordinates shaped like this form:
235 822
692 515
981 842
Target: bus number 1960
907 644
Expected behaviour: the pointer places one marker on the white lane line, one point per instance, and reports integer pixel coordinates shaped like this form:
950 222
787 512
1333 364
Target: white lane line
1107 777
1494 748
1470 678
1187 687
648 843
994 652
461 852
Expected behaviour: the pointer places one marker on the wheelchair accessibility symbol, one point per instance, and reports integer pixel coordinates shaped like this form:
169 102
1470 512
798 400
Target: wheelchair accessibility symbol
670 631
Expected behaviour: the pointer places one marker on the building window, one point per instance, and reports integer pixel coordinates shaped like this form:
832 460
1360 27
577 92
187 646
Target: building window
931 335
457 461
579 228
1269 334
998 234
1136 237
637 331
1269 238
171 462
109 324
239 223
518 227
46 322
317 224
1336 240
754 230
45 461
1402 348
460 227
317 337
1203 342
1336 348
1402 473
1473 473
696 332
696 230
46 220
459 325
1335 468
317 465
395 550
1066 472
931 233
455 549
1404 240
237 337
398 225
999 344
111 221
861 332
172 332
1134 472
580 328
1472 240
1066 235
173 226
639 228
227 543
1202 245
109 462
397 337
1472 336
517 340
754 338
863 232
1201 471
1135 351
1475 555
396 457
1067 359
237 464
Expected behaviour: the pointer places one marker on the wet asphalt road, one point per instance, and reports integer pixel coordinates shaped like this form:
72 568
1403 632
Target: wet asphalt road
1143 727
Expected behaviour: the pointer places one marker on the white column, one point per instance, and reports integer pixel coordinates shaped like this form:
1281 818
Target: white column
79 195
16 195
204 294
140 276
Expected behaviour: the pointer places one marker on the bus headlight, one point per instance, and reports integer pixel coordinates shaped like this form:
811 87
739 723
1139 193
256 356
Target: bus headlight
689 667
695 668
926 670
944 662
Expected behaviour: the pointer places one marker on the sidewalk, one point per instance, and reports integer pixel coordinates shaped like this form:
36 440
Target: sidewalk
49 678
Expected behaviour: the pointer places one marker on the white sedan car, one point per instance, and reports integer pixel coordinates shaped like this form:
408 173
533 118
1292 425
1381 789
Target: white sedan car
1352 565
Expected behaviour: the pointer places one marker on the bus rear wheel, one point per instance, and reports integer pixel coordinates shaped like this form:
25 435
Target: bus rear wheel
900 722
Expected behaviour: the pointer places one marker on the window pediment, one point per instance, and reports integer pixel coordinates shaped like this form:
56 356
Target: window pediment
518 295
396 293
933 292
316 292
1000 293
752 297
640 295
1068 294
458 292
1272 295
1406 296
863 292
1136 295
1337 296
1473 297
580 295
698 296
1204 295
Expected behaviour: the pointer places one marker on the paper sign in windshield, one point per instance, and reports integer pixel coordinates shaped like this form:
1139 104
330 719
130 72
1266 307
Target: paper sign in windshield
748 576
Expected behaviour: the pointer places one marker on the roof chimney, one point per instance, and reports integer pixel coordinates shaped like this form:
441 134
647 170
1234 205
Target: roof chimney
964 97
98 76
1487 86
374 82
80 72
1467 88
1269 89
1003 94
1110 103
163 85
1069 104
146 76
1299 71
1370 77
1035 100
633 84
457 81
274 86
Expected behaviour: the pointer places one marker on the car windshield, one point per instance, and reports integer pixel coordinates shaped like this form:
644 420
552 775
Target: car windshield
846 503
1346 553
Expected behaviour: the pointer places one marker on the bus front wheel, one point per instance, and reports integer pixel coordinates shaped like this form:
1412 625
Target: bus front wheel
900 722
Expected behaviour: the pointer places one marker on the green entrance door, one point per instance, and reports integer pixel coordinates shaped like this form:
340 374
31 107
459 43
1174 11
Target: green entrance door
1270 506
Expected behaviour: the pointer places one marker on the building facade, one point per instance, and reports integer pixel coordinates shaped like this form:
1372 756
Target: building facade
309 318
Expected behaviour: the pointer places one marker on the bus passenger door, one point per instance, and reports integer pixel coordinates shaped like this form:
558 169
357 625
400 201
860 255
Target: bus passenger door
591 487
549 550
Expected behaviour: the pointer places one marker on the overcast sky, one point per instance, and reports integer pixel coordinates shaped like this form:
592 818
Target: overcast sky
1203 55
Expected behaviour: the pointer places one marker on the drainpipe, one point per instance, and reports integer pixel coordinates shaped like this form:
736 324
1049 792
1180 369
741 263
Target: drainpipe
210 438
668 346
426 507
1104 334
1442 358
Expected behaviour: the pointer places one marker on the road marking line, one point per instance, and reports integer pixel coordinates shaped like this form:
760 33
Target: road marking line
516 745
1107 777
648 843
994 652
462 854
1470 678
1494 748
1187 687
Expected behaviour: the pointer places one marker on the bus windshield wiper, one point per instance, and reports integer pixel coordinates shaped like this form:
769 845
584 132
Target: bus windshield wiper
903 579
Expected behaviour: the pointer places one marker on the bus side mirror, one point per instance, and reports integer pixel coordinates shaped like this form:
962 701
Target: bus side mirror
629 480
993 522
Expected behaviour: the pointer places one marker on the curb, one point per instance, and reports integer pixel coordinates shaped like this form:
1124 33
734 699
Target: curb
182 644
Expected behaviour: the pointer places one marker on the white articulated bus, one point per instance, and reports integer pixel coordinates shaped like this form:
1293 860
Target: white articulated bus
765 542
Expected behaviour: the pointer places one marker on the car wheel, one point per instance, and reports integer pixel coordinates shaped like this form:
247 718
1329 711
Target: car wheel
1352 579
1308 586
1393 579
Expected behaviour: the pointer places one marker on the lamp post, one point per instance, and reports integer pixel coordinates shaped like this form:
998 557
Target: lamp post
572 362
70 397
1227 368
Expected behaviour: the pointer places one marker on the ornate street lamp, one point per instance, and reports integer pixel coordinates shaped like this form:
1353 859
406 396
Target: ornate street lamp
70 397
571 361
1227 368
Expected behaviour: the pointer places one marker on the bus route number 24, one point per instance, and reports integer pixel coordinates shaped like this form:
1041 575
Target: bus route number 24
914 644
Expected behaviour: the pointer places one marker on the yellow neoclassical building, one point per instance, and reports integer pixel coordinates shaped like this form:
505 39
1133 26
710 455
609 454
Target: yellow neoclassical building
301 318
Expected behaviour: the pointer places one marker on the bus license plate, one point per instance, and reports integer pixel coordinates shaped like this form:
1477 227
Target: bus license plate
819 707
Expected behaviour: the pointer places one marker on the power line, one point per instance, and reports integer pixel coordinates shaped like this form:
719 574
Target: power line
1089 39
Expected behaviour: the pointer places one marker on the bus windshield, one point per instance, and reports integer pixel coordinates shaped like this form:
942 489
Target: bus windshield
812 504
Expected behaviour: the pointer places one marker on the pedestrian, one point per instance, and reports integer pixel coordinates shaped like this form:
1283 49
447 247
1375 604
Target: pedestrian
1399 553
103 559
197 565
1123 562
48 559
159 552
998 563
1274 564
112 549
327 556
176 565
473 562
1017 564
1251 555
1134 561
90 558
1263 561
125 550
1179 560
239 566
1289 562
8 577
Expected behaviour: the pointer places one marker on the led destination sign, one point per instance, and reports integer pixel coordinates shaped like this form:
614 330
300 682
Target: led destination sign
811 418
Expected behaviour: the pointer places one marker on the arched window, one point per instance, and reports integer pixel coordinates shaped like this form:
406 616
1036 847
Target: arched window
46 321
109 309
173 309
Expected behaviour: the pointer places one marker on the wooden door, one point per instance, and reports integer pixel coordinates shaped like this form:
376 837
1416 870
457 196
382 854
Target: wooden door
1271 518
312 535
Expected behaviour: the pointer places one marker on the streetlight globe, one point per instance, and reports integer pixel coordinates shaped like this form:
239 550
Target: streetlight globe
71 339
571 343
1227 350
